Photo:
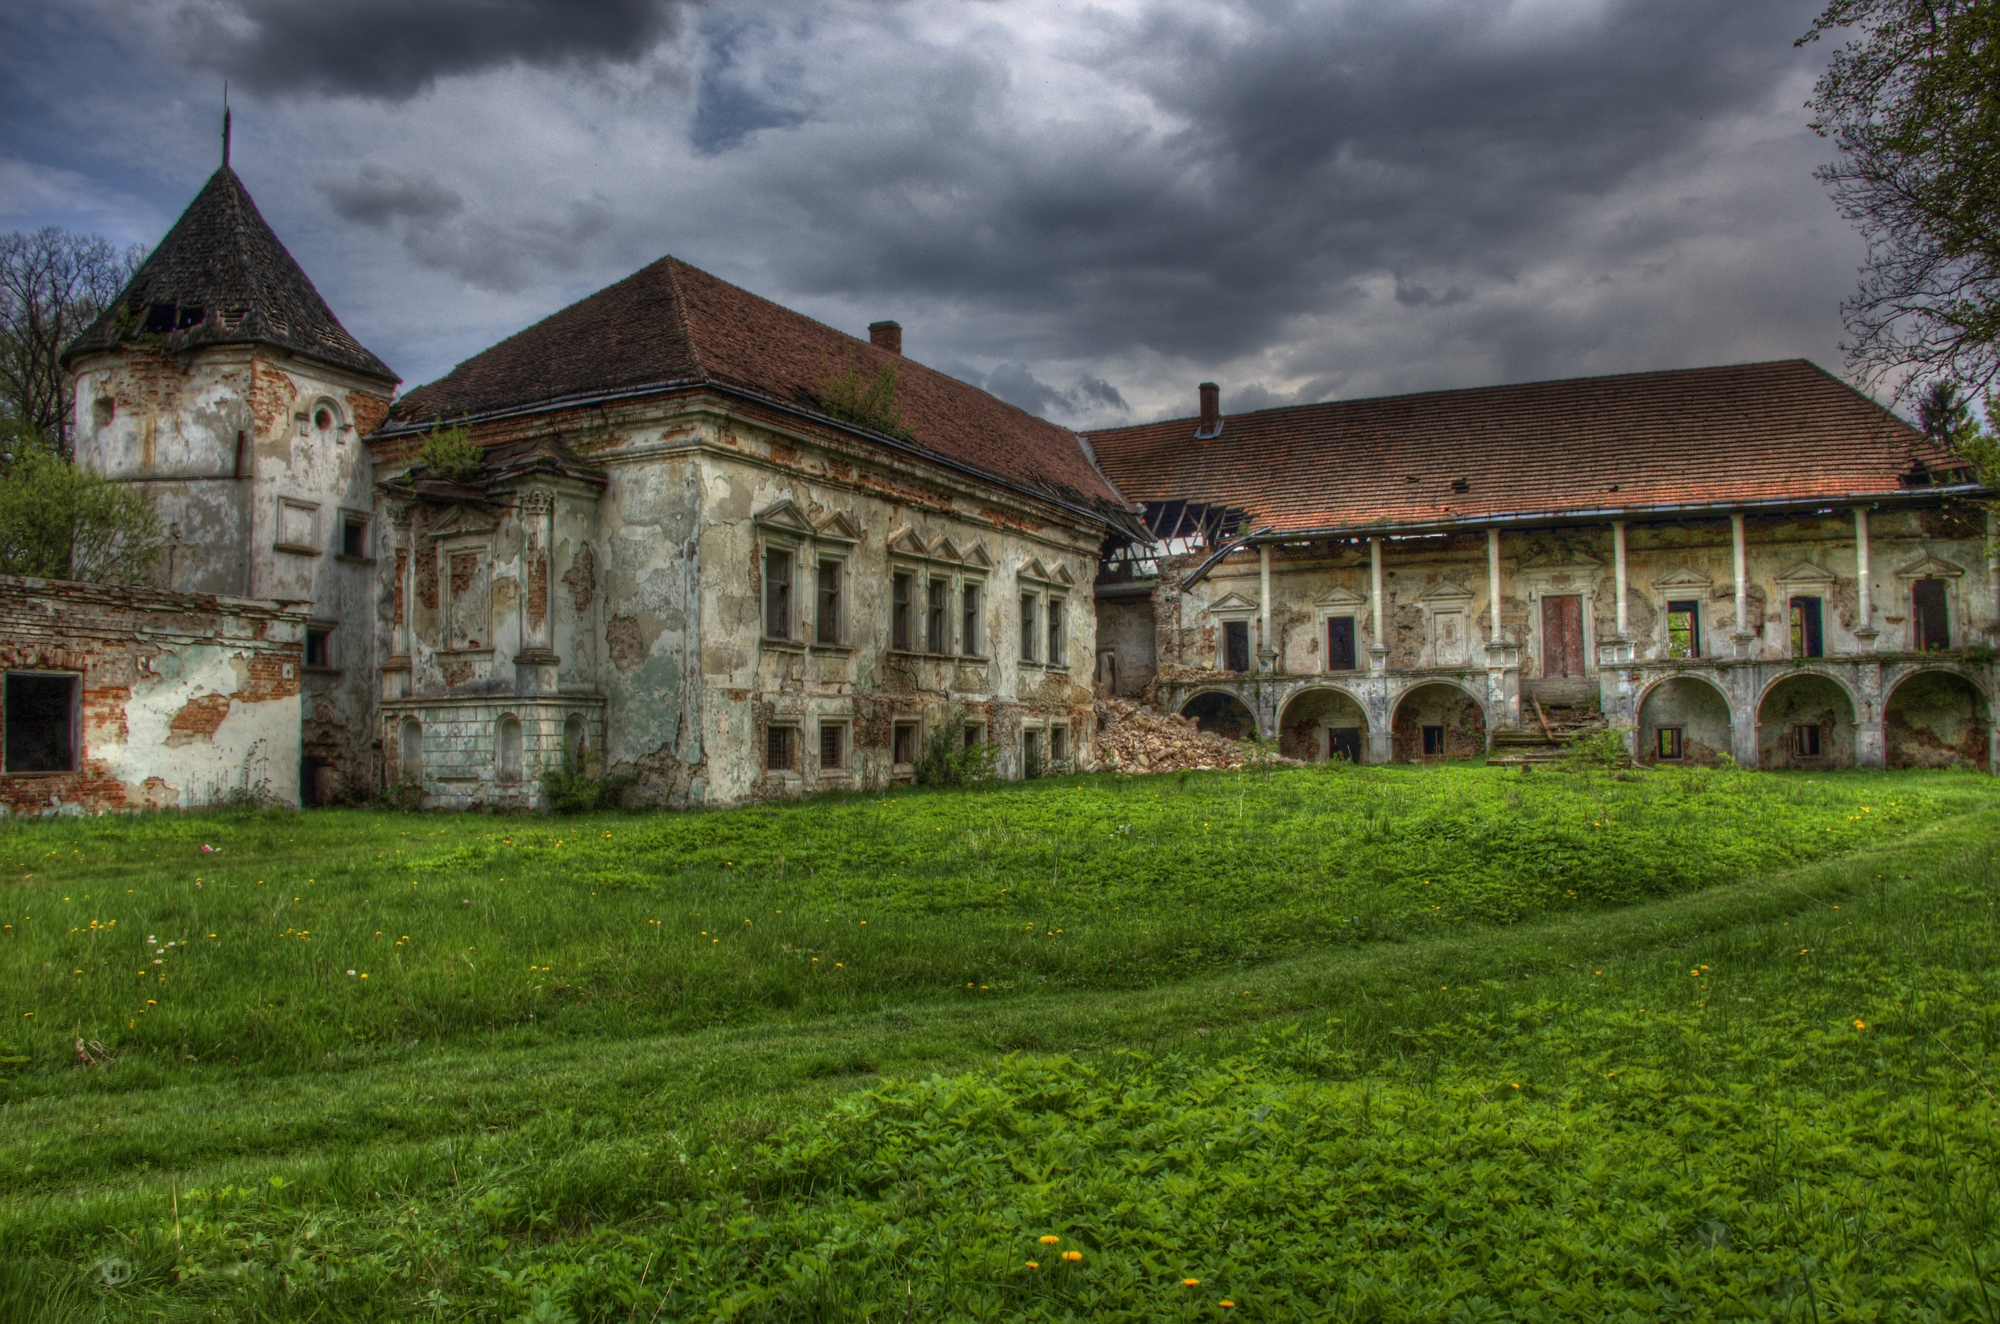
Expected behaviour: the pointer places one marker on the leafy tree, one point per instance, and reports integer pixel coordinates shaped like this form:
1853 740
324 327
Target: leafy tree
849 394
1912 103
1945 414
53 285
64 521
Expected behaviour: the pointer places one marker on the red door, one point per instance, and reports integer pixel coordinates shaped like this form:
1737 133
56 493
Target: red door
1562 635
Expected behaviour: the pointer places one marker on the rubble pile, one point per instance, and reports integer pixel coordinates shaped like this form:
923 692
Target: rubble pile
1131 738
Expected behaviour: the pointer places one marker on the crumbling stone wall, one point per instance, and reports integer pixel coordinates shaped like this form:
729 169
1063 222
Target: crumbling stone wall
1936 720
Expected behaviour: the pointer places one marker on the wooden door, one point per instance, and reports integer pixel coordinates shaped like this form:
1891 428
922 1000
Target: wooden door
1562 635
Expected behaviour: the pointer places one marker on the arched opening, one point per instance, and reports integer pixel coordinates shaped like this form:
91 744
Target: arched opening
1323 724
1805 722
1684 720
410 751
1221 714
507 745
1437 722
325 418
1935 719
575 743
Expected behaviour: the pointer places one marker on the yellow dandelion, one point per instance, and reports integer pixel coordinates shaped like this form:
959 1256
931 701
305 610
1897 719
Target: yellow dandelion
1050 1241
1033 1264
1860 1024
1190 1282
1073 1256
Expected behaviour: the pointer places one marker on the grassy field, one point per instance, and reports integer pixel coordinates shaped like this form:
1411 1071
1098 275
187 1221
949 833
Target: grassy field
1367 1043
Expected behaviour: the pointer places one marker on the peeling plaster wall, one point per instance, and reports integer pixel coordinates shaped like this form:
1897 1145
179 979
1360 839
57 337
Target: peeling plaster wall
1698 709
261 516
1438 705
1935 719
1806 700
186 700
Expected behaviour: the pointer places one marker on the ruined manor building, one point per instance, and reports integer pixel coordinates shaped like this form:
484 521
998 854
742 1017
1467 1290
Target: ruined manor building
680 537
1756 562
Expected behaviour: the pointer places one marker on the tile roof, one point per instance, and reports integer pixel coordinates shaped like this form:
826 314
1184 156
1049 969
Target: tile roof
221 277
672 325
1756 432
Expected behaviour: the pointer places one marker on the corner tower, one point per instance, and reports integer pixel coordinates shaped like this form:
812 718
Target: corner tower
221 383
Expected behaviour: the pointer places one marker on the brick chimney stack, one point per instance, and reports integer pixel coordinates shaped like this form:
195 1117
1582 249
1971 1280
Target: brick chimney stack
886 335
1210 425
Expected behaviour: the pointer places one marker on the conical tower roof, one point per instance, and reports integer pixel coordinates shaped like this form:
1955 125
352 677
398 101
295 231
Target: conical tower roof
221 277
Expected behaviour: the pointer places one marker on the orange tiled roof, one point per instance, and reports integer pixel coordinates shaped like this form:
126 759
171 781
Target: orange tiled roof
673 325
1752 433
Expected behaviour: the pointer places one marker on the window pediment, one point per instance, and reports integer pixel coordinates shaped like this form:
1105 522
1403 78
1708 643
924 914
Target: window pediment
838 527
1338 598
786 516
1806 574
1685 579
461 522
1930 566
1232 602
1445 594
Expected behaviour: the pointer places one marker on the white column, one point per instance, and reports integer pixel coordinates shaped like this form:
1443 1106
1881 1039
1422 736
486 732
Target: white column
1864 608
1493 577
1268 646
1618 573
1742 557
1993 562
1381 645
409 640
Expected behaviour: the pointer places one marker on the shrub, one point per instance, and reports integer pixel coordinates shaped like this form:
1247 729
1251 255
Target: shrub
853 396
949 761
451 452
1599 749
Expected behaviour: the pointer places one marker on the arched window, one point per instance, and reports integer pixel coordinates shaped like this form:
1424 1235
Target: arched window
325 421
509 750
410 747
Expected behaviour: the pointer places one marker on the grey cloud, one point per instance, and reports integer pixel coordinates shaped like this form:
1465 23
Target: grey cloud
377 195
1017 384
735 98
394 49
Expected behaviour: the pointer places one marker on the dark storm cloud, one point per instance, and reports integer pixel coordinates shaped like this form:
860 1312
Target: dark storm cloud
394 49
377 195
1017 384
733 98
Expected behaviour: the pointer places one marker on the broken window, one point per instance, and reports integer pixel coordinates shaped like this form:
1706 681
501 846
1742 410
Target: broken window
354 536
1930 621
1236 645
1805 740
41 723
777 594
319 645
1028 619
1031 754
937 617
1806 638
1684 629
1058 745
1344 742
903 743
832 746
780 748
827 625
1340 643
1058 654
1433 742
968 625
1672 743
975 735
901 589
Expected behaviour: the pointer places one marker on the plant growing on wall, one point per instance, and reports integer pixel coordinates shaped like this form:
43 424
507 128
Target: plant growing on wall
949 761
849 394
451 452
63 521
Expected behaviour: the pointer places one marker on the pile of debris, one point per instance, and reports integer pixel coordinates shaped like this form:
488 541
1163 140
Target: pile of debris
1131 738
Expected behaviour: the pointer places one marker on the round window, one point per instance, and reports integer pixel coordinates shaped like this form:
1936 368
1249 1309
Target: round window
323 419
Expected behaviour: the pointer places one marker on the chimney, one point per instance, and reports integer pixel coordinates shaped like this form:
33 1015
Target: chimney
1210 426
886 335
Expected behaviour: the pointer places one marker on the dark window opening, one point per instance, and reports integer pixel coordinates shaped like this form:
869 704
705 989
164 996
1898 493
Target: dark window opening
319 646
41 723
777 595
975 735
1340 643
1058 655
780 749
312 772
1236 645
323 419
1433 742
1672 745
190 316
1684 629
1058 744
832 747
1344 742
1031 754
354 537
968 633
159 320
1805 740
1807 641
937 616
903 743
827 627
1929 615
899 613
1027 627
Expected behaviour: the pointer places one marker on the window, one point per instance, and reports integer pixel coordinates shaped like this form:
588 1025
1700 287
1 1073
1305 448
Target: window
1805 740
900 607
1058 637
1058 745
508 748
781 749
826 626
1031 754
1236 645
1340 643
41 723
1672 744
354 536
1684 629
832 746
937 617
778 594
903 743
1930 622
1433 742
969 633
1806 638
1028 616
975 735
319 645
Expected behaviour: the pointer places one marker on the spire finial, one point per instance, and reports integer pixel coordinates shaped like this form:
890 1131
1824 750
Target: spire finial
225 124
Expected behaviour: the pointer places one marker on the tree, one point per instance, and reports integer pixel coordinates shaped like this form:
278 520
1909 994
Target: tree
1912 103
63 521
53 285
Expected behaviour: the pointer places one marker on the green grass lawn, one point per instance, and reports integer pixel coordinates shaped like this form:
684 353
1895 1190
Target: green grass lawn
1378 1043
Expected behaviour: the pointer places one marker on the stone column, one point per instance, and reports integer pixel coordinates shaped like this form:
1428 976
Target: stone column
1864 590
1740 551
396 668
1267 647
1493 578
1618 577
1503 655
535 665
1378 651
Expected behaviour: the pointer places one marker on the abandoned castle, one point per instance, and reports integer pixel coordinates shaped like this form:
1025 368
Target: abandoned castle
670 561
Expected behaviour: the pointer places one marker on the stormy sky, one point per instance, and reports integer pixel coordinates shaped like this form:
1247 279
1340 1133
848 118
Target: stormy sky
1086 208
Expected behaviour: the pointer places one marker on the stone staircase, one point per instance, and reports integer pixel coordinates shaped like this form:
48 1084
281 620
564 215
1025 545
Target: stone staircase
1547 734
